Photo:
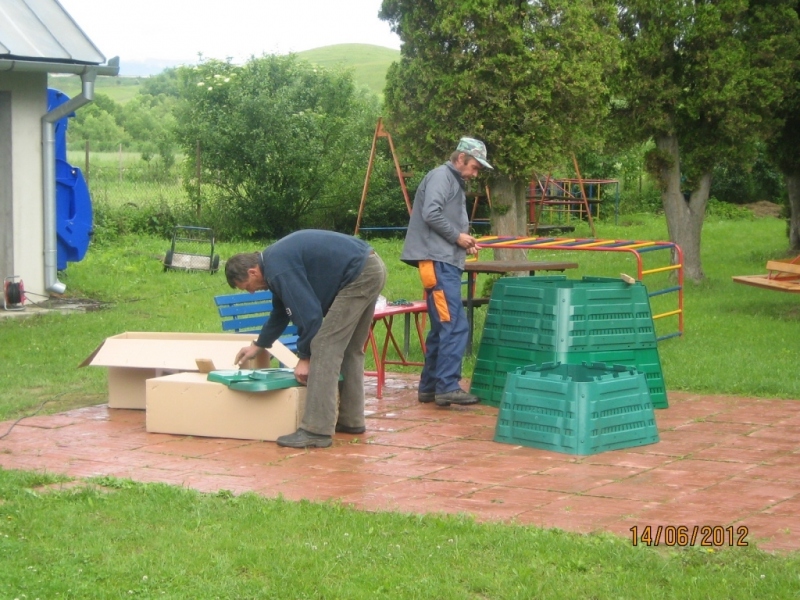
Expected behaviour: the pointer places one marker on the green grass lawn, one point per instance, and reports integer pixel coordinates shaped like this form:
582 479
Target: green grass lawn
114 538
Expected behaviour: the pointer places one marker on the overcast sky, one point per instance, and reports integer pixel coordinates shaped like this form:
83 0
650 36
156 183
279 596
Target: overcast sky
137 30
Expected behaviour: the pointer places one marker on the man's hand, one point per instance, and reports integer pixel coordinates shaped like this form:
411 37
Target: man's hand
247 353
301 370
466 241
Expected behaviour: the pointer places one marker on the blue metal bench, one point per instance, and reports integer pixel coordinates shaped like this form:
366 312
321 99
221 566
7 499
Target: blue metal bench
246 313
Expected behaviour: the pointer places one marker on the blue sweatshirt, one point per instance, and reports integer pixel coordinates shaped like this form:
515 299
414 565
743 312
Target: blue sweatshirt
305 271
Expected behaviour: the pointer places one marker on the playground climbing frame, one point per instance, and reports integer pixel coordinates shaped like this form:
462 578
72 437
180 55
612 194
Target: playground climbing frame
638 248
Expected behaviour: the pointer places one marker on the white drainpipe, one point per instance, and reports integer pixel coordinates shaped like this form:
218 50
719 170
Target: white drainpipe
51 282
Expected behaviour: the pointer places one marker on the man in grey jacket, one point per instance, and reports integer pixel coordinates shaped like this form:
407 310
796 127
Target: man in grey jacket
437 243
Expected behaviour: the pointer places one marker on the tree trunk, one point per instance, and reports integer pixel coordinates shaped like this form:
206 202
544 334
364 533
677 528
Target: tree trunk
684 219
509 215
793 188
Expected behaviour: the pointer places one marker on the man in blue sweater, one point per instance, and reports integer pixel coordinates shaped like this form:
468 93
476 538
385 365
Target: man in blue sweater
326 283
437 243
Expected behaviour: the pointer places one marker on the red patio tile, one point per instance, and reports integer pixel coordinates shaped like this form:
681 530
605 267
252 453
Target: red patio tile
740 454
790 506
679 512
656 485
381 423
638 458
420 496
575 478
782 472
742 492
713 430
194 446
715 467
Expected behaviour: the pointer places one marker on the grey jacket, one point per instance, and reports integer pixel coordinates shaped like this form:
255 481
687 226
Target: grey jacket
438 216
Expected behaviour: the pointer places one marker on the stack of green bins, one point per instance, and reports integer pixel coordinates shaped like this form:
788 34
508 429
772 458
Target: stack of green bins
576 409
537 320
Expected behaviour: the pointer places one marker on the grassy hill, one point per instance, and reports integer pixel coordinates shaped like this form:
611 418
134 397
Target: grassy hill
120 89
369 64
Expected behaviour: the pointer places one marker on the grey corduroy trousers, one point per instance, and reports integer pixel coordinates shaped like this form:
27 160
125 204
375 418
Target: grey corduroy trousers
338 348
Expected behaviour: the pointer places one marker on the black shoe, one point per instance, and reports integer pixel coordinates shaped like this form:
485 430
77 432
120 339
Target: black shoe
346 429
426 397
458 396
304 439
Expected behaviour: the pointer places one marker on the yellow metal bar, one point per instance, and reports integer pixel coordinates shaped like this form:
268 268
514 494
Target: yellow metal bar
593 244
555 243
662 269
635 246
514 242
667 314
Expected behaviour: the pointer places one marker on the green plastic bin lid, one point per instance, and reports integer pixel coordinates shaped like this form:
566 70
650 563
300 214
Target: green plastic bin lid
258 380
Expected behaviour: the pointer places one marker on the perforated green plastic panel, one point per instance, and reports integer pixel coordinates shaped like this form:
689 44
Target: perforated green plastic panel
258 380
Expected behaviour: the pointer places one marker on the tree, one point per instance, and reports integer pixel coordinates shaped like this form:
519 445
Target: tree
528 78
704 80
96 123
785 151
280 139
150 123
165 83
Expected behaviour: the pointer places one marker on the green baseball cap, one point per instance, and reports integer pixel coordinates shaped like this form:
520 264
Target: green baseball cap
475 148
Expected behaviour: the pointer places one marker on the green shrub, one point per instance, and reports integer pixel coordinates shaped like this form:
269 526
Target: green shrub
726 211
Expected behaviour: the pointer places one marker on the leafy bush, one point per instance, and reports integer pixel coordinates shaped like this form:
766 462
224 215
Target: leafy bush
727 211
113 221
647 201
284 144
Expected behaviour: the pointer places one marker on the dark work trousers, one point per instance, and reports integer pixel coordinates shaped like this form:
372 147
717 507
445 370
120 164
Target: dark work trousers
338 348
447 339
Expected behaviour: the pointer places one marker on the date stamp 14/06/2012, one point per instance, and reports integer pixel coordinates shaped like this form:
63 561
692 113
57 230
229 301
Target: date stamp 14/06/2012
710 536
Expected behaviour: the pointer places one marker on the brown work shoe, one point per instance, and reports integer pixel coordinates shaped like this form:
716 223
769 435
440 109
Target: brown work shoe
458 396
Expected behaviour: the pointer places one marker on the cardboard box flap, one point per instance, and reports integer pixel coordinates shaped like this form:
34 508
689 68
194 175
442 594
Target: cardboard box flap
164 354
178 351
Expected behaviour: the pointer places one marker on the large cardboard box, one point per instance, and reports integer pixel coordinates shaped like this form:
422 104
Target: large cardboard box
134 357
189 404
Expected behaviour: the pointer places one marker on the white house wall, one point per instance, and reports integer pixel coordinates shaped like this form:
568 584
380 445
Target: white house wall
28 103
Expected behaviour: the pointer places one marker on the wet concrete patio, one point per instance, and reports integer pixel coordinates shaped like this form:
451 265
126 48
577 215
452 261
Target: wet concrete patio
726 462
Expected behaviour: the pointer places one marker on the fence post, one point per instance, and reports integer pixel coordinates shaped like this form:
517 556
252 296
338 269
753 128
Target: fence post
198 175
120 163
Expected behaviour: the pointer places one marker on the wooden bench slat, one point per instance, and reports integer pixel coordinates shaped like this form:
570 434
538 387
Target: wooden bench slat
763 281
783 267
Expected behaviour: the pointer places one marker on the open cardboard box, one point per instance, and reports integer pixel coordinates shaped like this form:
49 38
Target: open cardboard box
189 404
134 357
